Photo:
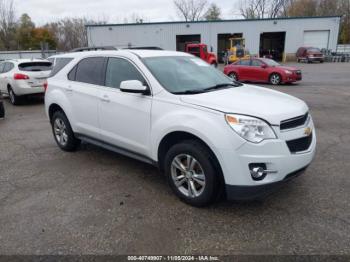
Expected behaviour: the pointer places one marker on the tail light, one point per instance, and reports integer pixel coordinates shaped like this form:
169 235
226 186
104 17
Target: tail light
20 77
45 85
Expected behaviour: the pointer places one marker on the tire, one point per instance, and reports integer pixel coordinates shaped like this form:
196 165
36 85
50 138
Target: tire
63 133
233 76
275 79
14 99
199 182
309 61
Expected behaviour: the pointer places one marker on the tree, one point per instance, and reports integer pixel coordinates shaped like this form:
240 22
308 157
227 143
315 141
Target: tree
303 8
24 32
70 33
7 25
213 12
263 8
42 35
190 10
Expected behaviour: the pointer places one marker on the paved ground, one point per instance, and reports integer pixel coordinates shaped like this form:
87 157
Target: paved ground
97 202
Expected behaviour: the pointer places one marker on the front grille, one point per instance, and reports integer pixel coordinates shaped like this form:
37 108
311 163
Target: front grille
300 144
298 73
294 122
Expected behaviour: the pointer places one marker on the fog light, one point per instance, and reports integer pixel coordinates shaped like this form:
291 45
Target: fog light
258 171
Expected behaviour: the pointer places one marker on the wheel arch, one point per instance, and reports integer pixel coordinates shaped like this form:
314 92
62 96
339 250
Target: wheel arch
54 108
176 137
276 72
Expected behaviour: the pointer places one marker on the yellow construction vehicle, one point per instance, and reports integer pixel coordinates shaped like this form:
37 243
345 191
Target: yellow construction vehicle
237 50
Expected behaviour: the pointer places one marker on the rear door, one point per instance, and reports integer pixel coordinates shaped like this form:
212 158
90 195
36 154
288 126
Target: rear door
125 118
37 71
82 91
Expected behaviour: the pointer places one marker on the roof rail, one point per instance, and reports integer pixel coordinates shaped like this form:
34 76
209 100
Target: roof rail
145 48
93 48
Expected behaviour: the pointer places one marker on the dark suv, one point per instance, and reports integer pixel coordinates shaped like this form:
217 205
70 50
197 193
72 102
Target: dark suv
309 54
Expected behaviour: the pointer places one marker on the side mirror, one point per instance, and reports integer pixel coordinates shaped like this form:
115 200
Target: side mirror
263 66
133 86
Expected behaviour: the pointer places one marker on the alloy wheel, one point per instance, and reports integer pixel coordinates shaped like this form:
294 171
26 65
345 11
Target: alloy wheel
60 131
275 79
188 175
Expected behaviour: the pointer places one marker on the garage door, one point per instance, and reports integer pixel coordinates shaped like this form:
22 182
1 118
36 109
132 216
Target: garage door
316 38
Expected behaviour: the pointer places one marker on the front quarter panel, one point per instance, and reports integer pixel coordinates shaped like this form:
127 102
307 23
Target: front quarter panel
206 124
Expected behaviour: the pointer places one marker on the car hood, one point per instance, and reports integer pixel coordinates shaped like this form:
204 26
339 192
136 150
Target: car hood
288 68
260 102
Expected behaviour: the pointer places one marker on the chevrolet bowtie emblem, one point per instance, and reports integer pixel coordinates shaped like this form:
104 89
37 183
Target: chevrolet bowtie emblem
308 131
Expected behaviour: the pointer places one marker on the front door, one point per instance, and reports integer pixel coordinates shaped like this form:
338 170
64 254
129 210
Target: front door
125 118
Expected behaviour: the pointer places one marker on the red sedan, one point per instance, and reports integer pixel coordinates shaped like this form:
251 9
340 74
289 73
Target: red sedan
262 70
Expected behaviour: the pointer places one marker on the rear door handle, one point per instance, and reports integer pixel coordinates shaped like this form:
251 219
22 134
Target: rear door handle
69 89
105 98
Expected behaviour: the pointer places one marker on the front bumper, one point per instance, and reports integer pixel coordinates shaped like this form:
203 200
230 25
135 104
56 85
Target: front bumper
316 58
256 192
292 78
275 154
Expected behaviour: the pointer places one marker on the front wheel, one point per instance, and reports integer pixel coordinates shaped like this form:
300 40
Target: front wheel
63 133
275 79
192 173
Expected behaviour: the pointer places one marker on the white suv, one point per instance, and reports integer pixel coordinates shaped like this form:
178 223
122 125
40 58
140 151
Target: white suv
23 77
209 135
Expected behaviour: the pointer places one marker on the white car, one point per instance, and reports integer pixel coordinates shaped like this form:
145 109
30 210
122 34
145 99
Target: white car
210 136
23 77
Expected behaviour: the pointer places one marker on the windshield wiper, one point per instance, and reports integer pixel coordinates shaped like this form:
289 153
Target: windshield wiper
188 92
219 86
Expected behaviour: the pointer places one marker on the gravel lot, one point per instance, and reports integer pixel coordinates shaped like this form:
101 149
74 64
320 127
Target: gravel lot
97 202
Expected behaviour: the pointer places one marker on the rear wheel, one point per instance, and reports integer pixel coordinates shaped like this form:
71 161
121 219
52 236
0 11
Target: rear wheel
275 79
63 133
191 173
233 76
14 99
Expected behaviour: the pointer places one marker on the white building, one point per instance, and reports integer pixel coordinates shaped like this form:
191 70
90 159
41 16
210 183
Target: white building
284 35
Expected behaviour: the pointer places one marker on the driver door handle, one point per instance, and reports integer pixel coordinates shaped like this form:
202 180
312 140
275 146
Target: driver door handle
69 89
105 98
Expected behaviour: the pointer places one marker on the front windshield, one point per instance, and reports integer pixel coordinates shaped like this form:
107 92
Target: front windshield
270 62
184 74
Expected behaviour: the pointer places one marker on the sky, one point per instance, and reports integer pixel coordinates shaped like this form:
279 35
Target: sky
114 11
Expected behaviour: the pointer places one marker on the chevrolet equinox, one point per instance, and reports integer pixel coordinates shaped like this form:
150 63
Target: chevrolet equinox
209 135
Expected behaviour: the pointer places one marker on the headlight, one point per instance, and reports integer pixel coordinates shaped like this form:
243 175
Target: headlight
250 128
288 72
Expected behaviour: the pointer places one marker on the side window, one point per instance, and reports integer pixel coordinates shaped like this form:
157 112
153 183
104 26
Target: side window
245 62
194 51
2 67
60 63
8 67
72 73
256 63
90 70
119 70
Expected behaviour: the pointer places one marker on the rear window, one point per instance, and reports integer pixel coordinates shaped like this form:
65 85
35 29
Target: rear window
35 66
60 63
